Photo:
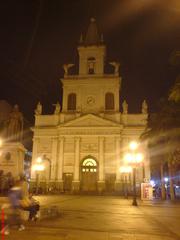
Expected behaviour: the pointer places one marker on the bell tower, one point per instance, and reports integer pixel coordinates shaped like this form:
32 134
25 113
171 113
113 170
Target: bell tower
91 51
91 90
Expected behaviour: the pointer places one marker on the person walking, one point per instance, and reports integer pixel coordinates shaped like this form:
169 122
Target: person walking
14 218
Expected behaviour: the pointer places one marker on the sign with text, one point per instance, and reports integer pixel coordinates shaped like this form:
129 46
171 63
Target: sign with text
146 191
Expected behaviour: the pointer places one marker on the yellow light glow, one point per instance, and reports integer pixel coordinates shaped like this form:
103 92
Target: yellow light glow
139 157
125 169
39 160
133 145
1 142
38 167
128 157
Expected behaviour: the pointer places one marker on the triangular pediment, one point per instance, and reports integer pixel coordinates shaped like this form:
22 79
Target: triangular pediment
90 120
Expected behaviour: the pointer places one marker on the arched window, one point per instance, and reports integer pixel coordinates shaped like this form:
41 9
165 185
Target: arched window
89 162
91 65
71 101
109 101
89 165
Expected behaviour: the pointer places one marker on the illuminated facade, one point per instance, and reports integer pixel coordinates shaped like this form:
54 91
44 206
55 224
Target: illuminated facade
85 140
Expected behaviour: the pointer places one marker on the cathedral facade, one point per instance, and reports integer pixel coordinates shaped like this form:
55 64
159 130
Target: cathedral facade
82 143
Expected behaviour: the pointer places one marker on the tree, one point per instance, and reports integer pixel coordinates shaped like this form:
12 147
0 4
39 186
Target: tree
163 134
175 91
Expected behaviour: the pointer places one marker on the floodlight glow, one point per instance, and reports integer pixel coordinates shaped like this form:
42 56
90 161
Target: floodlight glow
128 157
166 179
125 169
139 157
133 145
39 160
152 182
38 167
1 142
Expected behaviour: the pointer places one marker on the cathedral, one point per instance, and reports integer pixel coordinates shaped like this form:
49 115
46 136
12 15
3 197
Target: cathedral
82 144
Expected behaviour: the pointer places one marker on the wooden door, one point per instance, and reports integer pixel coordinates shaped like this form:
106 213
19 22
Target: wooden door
67 181
89 181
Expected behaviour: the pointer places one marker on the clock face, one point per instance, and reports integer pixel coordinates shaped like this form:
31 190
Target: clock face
90 100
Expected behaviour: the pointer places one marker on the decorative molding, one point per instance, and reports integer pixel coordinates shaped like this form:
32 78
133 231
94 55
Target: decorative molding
90 132
89 147
44 148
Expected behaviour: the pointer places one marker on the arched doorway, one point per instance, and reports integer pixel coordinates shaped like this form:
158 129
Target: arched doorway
89 173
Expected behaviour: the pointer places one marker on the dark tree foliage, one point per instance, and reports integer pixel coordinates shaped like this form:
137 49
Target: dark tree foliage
163 129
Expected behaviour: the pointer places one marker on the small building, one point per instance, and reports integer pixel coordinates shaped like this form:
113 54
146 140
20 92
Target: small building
84 141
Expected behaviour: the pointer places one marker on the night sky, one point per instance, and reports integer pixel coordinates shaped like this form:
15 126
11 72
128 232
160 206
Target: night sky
38 37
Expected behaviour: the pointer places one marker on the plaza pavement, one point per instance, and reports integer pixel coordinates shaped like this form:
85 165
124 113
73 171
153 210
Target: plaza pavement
104 218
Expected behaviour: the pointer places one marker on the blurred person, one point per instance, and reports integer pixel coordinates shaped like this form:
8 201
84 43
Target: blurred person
28 203
31 205
14 217
24 186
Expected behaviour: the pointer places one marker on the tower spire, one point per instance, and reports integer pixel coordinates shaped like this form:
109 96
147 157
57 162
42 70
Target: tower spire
93 36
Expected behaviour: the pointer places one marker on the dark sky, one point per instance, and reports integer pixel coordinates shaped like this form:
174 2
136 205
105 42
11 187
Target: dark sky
38 36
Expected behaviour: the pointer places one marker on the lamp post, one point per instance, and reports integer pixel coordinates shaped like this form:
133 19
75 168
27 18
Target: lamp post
38 167
134 158
125 170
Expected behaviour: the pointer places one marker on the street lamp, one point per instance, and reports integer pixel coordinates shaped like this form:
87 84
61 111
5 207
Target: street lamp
125 170
38 167
134 158
39 163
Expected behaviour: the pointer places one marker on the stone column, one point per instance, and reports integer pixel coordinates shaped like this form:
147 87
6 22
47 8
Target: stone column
124 150
59 166
53 160
118 155
101 182
34 156
76 181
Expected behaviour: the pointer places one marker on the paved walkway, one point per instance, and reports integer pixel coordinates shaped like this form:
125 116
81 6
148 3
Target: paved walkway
106 218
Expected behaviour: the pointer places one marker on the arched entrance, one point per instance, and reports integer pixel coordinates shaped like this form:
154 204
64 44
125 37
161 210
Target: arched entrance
89 173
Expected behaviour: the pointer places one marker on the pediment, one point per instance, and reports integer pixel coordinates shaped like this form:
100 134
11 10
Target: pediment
90 120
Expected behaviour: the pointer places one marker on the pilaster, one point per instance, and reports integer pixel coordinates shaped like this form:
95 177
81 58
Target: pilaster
101 182
118 155
76 182
59 166
34 156
54 161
